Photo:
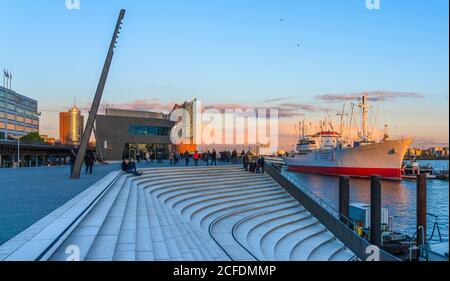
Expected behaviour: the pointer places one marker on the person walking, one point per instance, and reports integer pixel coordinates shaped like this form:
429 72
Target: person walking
246 160
196 156
89 162
206 157
214 157
262 160
234 157
186 157
177 158
147 157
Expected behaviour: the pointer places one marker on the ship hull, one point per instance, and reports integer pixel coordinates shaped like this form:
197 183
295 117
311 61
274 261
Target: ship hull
383 159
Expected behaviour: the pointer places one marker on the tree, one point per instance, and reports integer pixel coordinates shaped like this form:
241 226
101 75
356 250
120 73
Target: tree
34 137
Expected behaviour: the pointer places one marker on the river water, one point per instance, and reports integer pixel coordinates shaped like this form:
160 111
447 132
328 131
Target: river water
398 197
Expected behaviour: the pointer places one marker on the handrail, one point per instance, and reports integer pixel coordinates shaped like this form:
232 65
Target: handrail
327 206
324 214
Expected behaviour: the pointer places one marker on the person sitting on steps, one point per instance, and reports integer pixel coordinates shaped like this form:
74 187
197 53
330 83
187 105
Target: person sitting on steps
130 167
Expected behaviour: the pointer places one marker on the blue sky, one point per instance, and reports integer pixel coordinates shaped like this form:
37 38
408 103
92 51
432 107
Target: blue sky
234 52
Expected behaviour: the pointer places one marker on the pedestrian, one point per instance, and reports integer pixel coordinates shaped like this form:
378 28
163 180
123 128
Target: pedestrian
246 160
186 157
89 160
214 158
147 157
262 160
206 157
196 156
171 159
177 158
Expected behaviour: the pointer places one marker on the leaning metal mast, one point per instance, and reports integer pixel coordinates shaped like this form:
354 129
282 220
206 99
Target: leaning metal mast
96 103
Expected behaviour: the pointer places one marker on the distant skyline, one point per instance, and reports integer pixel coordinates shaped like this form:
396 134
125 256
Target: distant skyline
303 57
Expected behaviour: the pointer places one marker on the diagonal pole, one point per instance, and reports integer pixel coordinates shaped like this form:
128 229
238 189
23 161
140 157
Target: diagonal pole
96 103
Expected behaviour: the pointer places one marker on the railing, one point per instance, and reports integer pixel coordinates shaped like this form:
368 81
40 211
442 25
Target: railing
341 226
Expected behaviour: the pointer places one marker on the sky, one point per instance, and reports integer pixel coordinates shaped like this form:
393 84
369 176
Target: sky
304 57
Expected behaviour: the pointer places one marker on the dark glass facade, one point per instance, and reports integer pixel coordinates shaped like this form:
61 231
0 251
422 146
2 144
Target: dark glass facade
140 130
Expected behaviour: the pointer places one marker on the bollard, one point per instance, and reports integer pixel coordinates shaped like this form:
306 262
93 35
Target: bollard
421 208
375 211
344 197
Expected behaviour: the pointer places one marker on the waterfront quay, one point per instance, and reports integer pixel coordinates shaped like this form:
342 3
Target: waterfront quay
176 213
172 213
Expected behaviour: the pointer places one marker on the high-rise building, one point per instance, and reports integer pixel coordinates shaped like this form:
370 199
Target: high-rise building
18 114
71 126
64 127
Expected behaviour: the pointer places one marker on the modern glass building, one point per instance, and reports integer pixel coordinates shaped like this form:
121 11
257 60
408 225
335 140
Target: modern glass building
129 134
18 114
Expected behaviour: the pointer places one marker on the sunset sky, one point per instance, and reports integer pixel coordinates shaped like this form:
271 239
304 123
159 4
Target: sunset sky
303 57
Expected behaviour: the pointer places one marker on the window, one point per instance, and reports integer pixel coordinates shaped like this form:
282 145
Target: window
2 104
35 122
2 125
20 119
2 115
20 128
28 129
28 121
10 127
140 130
10 116
11 107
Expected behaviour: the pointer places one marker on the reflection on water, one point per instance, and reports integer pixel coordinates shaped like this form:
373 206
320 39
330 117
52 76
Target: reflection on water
398 197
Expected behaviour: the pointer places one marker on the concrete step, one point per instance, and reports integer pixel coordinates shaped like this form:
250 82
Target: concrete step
144 245
87 230
125 249
160 251
106 239
283 247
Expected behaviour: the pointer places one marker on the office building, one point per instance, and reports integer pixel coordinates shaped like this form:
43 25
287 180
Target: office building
18 114
71 126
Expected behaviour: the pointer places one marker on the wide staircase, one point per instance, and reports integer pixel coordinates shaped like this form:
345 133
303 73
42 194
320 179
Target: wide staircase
190 213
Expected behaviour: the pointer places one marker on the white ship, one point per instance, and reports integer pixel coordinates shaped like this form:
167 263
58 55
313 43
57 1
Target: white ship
327 152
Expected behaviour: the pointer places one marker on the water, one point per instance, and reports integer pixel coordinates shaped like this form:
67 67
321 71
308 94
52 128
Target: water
398 197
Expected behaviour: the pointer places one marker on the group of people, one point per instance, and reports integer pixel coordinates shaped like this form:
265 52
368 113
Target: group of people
253 163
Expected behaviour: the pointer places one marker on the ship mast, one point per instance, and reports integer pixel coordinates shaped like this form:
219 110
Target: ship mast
363 106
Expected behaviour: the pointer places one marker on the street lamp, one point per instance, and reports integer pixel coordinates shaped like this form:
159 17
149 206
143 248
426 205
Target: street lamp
18 148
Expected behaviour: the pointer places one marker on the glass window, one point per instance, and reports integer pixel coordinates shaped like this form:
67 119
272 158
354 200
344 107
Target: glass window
35 122
2 115
28 129
20 110
10 106
28 121
20 119
10 116
140 130
10 126
2 125
20 128
2 104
